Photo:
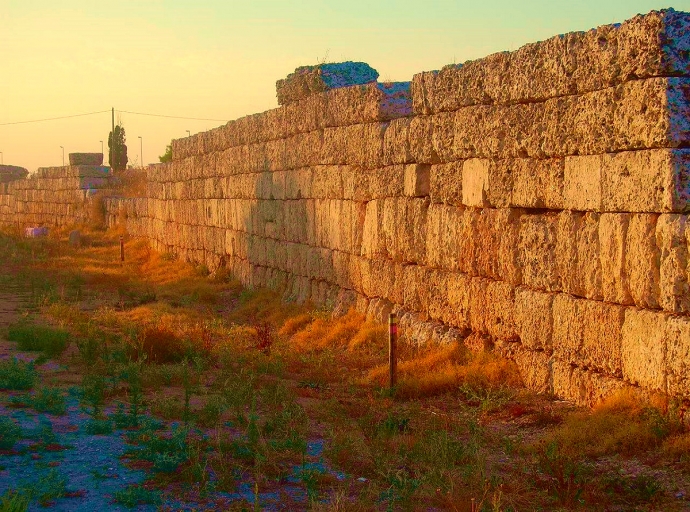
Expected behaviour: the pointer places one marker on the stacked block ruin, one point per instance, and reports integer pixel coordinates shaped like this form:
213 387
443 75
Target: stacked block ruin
534 202
53 196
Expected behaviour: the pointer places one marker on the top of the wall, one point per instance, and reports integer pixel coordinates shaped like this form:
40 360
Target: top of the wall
73 171
651 45
308 80
86 158
11 173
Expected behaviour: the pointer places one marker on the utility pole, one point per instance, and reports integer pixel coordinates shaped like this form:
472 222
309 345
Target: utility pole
112 141
63 155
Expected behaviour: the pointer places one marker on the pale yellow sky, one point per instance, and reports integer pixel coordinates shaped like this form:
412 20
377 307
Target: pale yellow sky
220 59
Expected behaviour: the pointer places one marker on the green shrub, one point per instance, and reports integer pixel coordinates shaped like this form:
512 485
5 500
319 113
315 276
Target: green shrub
10 433
48 400
136 495
40 338
17 375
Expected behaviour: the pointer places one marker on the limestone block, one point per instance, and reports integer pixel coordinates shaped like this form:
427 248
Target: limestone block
499 309
537 249
327 182
582 386
583 183
445 183
442 136
368 103
305 150
420 139
534 318
643 260
444 224
671 239
422 85
578 254
678 356
373 241
298 183
308 80
396 142
475 183
613 230
387 181
416 180
535 369
644 352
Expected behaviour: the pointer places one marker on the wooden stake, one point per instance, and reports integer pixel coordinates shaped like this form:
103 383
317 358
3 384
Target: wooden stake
393 350
122 250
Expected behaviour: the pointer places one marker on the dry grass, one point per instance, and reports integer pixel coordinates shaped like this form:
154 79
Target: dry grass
622 424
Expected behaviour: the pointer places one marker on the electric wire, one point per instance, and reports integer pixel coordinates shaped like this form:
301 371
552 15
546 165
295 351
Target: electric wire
55 118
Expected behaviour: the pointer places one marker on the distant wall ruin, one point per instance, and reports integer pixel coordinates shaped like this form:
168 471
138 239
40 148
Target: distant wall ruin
535 200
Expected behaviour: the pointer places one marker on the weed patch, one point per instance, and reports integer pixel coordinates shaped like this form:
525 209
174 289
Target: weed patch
48 340
17 375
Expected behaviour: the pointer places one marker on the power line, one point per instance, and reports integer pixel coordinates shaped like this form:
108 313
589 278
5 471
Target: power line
172 117
104 111
54 118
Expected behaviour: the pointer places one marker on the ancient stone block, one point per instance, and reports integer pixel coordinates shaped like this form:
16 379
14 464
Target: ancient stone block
416 180
582 386
644 349
613 230
420 139
678 356
671 239
583 183
475 183
445 183
396 142
538 252
643 260
534 318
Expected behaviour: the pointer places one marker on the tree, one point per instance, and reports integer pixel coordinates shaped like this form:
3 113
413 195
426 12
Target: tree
117 149
167 156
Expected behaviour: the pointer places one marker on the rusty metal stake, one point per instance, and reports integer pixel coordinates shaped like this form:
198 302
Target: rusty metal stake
393 350
122 250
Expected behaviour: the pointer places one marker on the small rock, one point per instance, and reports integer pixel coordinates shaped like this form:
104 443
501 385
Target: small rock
680 495
75 238
361 479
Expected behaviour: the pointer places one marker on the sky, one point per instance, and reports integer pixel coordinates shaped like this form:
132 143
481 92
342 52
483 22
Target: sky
218 60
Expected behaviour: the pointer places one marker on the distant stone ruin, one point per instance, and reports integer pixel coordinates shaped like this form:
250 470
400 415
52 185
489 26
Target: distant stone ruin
533 201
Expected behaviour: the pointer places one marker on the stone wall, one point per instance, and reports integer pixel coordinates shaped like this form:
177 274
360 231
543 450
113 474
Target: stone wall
534 201
52 196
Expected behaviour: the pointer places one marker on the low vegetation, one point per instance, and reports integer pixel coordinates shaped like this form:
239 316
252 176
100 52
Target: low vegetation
217 389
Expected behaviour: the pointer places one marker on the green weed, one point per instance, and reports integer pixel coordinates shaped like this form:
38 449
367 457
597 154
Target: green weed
135 495
13 501
10 433
40 338
48 400
17 375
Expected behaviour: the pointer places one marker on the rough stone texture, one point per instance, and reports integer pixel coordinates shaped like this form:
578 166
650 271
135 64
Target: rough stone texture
11 173
644 349
86 158
646 46
307 80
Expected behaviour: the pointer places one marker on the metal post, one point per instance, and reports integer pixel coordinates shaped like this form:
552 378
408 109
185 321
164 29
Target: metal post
188 133
63 156
393 350
122 249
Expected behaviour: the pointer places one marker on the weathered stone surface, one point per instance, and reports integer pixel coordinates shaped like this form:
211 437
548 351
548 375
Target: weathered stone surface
86 158
417 180
644 349
613 231
645 46
307 80
445 183
678 356
583 386
672 241
537 248
642 260
534 318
